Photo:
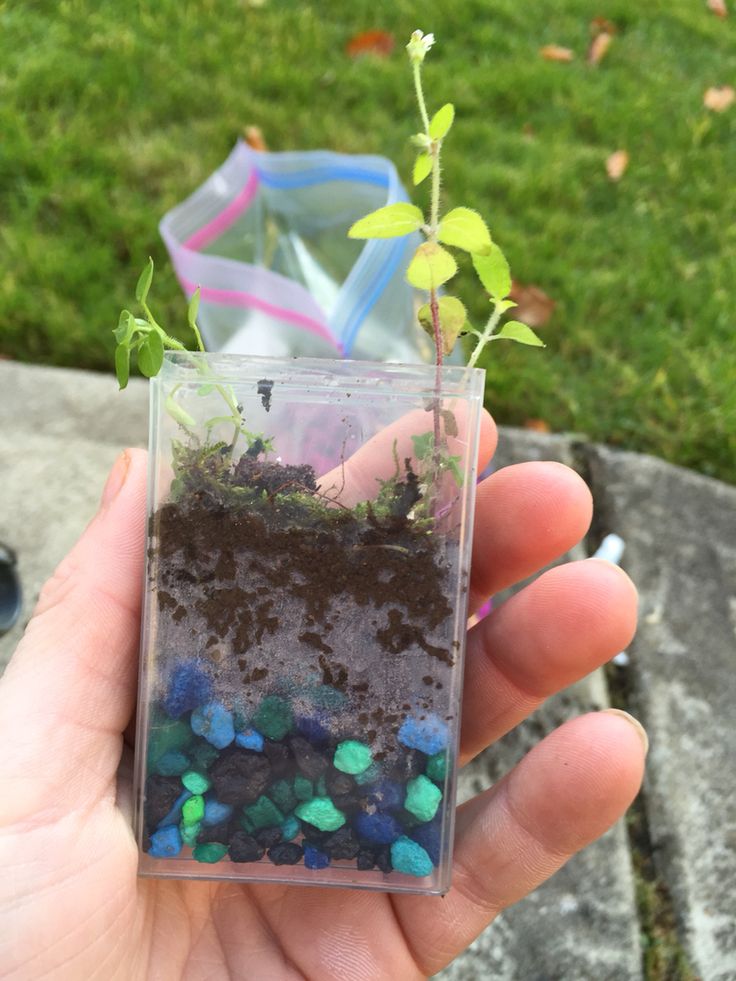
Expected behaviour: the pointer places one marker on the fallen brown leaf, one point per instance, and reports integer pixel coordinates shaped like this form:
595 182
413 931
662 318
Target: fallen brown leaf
553 52
616 165
253 136
598 47
533 306
599 25
537 426
719 97
378 43
718 7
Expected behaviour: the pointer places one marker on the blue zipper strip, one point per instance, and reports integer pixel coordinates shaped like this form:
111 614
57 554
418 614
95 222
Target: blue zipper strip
370 295
322 175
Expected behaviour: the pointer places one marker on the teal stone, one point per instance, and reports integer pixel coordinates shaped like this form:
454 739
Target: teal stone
192 811
172 764
303 788
209 851
240 720
195 782
321 813
327 697
274 718
290 828
282 795
437 767
422 798
264 814
321 788
410 858
352 757
246 824
370 775
203 755
166 735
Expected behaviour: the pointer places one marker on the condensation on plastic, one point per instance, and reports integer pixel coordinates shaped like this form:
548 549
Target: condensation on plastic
265 238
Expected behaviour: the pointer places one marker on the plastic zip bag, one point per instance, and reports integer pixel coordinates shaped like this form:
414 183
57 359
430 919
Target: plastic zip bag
265 237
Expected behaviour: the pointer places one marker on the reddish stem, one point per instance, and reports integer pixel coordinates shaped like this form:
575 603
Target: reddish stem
435 310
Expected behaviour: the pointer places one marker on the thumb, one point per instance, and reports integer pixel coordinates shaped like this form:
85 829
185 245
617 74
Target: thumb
69 689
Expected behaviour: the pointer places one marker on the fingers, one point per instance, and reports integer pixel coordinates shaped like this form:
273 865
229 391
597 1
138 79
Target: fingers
561 627
70 687
564 794
527 515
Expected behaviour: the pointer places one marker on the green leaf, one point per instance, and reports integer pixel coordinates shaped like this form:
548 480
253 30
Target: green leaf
430 267
423 445
422 168
151 354
205 389
514 330
389 222
122 364
465 229
442 121
124 330
493 271
193 310
453 317
144 282
177 413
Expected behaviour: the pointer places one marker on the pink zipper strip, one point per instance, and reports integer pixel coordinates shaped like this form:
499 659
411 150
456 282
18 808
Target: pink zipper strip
220 223
235 298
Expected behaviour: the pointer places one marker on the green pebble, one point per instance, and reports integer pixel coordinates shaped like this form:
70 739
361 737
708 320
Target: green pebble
193 810
321 789
196 782
437 767
282 795
246 824
352 757
321 813
240 720
189 833
422 798
264 814
274 717
290 828
172 763
166 736
210 852
303 788
204 754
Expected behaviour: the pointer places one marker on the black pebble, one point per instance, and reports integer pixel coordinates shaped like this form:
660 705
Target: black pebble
342 844
161 794
339 783
313 836
309 760
243 848
279 756
286 853
409 765
268 837
366 859
216 832
382 856
240 776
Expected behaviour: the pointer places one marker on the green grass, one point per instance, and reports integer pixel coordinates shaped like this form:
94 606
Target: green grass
111 113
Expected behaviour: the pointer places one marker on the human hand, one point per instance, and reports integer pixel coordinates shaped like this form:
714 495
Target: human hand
71 904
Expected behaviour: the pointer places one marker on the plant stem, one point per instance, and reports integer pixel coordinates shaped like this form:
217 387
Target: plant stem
486 335
420 95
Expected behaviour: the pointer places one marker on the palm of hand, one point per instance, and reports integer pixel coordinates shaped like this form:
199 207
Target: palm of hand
70 897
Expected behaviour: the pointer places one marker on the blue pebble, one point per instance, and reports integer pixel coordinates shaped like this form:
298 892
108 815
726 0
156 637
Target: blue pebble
215 723
189 687
165 843
428 836
215 812
172 764
386 795
250 739
410 858
314 858
290 828
311 728
428 735
174 815
380 829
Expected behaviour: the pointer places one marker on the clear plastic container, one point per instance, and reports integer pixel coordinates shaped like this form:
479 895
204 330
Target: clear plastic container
304 620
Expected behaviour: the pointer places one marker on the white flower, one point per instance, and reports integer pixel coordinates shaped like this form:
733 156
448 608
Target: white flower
418 46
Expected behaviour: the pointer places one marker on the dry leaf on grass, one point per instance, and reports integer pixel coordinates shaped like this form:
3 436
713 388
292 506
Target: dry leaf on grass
378 43
616 165
553 52
533 306
537 426
253 136
598 47
600 25
718 7
719 97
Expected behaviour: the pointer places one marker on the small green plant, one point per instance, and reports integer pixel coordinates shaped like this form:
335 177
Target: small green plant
444 317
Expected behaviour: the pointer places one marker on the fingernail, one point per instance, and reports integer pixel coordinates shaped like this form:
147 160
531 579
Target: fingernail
117 478
640 730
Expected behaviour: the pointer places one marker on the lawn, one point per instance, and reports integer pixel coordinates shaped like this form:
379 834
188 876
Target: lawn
111 113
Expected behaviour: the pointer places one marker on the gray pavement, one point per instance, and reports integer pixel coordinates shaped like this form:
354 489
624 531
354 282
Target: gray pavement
61 431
